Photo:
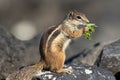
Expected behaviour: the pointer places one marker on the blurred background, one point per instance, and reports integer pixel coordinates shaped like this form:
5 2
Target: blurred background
26 19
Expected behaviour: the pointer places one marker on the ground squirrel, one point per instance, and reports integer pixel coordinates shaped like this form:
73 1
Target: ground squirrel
52 46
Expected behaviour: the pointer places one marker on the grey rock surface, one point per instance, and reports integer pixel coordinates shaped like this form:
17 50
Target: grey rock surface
80 72
15 53
110 57
90 55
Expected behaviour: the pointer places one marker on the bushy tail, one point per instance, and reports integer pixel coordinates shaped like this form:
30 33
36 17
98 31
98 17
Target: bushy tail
27 73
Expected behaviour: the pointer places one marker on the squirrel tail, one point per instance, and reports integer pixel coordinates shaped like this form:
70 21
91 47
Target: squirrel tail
40 65
27 73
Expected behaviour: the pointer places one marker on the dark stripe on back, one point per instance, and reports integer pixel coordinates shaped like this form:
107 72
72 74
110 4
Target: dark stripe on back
56 33
43 40
41 47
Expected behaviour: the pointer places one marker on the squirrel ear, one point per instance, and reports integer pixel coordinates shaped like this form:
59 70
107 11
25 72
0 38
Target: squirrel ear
70 15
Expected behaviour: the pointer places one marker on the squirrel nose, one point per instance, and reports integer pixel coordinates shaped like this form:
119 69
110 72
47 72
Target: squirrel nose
87 21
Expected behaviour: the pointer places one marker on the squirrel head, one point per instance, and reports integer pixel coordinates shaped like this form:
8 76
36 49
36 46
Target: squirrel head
77 18
74 24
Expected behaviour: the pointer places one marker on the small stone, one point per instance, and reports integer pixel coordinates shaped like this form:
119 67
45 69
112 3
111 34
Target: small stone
88 71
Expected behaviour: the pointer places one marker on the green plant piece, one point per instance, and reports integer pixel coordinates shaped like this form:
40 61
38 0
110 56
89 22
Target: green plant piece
89 29
87 35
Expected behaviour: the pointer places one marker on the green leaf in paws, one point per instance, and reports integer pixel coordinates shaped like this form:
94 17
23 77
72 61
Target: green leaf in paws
90 25
87 35
89 31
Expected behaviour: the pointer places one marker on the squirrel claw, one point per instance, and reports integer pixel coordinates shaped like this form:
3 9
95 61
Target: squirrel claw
67 70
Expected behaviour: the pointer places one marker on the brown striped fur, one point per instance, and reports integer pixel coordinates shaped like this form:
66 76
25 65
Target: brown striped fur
53 44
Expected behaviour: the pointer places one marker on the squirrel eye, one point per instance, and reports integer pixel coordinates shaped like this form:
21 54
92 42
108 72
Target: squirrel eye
78 17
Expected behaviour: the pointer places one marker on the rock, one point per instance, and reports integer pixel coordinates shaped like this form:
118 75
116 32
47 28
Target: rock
15 53
80 72
90 55
87 56
110 57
